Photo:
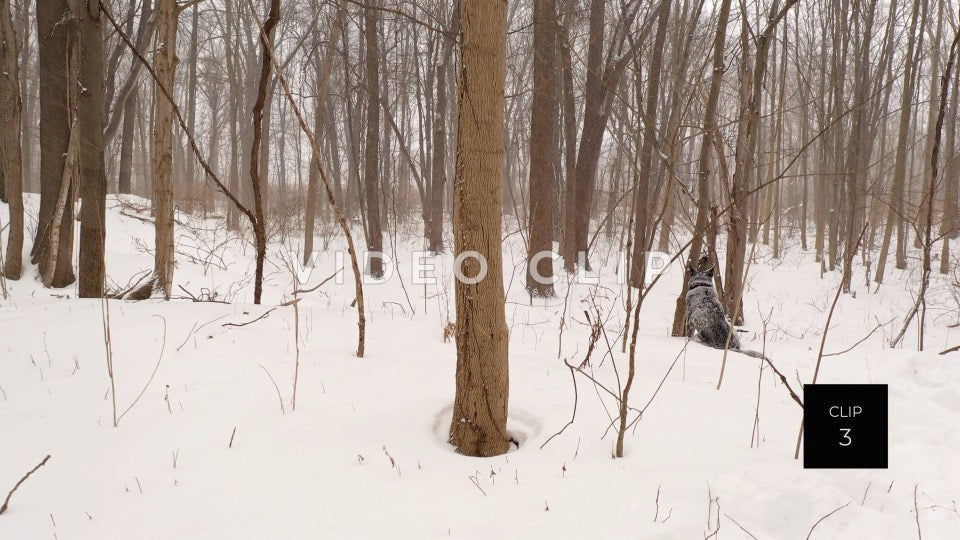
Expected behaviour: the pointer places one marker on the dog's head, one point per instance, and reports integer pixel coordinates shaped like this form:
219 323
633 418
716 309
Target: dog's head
700 278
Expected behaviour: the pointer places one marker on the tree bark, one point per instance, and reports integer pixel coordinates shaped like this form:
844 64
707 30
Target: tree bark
371 162
257 181
165 62
543 129
93 179
478 426
57 24
11 166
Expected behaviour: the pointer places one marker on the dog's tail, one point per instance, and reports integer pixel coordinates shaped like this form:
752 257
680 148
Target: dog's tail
753 354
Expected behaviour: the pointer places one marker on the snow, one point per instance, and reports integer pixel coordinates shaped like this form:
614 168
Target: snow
364 455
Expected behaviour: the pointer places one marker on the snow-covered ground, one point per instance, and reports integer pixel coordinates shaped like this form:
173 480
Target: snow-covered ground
364 454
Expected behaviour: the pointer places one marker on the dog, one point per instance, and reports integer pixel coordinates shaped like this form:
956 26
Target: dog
706 319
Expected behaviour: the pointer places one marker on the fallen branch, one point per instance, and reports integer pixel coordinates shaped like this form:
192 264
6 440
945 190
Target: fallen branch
950 350
6 502
264 316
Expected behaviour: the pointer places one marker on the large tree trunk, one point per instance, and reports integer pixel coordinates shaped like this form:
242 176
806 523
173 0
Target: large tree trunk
11 167
543 129
371 165
56 50
164 64
93 179
478 426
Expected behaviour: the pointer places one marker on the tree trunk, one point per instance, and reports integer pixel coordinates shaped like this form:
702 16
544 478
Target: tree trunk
130 111
371 165
543 129
11 166
93 179
257 181
478 426
164 63
950 222
56 68
190 185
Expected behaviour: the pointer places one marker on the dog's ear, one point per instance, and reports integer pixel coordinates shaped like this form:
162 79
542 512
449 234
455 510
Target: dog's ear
709 272
690 269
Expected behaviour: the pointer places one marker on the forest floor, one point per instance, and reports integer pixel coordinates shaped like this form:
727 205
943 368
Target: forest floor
364 455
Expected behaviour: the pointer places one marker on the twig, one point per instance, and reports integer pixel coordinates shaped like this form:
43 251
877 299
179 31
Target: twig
950 350
573 416
263 316
196 328
825 517
231 437
855 345
163 345
279 397
739 525
321 284
6 502
916 511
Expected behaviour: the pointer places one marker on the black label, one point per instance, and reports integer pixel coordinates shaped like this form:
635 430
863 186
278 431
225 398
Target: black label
845 426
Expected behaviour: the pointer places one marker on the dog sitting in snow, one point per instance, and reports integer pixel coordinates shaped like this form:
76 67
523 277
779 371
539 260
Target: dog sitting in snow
705 316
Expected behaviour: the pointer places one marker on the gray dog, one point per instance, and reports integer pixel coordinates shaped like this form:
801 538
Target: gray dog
705 316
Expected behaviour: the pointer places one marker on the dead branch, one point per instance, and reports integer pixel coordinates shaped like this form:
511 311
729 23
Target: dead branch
263 316
826 516
6 502
950 350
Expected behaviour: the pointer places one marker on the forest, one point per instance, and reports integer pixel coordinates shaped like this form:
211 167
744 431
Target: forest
480 268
